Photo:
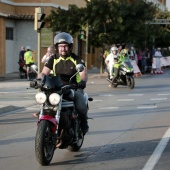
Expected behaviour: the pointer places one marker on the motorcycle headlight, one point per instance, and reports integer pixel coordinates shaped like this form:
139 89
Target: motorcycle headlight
54 99
40 98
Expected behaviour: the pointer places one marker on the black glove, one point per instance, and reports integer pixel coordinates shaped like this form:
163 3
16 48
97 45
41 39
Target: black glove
33 84
82 84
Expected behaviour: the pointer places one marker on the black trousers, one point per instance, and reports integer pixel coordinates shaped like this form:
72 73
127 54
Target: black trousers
80 105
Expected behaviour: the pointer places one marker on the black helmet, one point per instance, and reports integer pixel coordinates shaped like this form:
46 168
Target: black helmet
63 37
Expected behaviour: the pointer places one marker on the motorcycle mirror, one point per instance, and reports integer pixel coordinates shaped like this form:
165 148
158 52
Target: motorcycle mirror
79 67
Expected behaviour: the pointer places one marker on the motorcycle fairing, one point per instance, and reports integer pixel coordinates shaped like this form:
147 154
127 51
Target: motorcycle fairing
50 119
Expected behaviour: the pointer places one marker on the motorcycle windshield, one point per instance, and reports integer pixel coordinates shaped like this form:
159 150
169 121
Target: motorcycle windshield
53 81
127 63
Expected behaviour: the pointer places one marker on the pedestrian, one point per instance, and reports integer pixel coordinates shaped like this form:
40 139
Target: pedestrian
105 54
21 54
119 46
21 62
47 56
139 56
28 59
133 55
63 63
156 62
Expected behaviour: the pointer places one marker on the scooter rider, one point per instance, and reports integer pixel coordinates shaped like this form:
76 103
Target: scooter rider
120 59
110 60
63 63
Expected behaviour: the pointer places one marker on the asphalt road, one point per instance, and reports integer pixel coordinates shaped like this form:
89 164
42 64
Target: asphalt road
129 129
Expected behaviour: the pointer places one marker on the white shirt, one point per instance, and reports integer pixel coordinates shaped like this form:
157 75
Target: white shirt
158 54
110 59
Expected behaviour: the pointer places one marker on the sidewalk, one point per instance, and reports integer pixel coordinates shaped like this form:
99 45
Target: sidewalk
93 73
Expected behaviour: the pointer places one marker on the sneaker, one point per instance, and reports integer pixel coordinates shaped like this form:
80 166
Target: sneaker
84 127
35 115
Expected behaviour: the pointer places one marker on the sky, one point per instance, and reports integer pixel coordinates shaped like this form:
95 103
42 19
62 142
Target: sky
168 4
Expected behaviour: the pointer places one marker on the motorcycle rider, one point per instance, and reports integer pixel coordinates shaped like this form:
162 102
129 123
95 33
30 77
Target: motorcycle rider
120 59
110 60
63 63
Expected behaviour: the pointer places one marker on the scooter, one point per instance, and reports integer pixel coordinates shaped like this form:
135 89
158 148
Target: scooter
125 76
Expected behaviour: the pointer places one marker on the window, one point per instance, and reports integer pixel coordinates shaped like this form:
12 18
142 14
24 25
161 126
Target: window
9 33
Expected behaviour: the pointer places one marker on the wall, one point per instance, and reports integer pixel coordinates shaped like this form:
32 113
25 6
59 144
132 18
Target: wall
24 34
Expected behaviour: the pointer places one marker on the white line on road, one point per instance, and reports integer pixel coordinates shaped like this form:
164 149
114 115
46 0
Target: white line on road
168 94
157 152
147 107
159 99
97 100
138 94
109 108
106 95
124 100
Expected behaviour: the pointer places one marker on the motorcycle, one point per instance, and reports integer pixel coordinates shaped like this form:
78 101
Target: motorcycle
58 124
33 72
125 76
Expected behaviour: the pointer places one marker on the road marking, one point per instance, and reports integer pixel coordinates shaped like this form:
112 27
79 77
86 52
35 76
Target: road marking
109 108
159 99
106 95
97 100
168 94
157 152
138 94
124 100
147 107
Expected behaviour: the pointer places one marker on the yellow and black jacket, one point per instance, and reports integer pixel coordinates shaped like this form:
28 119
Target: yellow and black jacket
65 67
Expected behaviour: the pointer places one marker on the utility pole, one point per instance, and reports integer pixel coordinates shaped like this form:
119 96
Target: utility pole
38 25
87 40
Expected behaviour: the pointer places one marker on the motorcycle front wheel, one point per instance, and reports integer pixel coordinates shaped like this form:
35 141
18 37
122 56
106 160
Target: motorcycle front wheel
78 143
131 83
44 143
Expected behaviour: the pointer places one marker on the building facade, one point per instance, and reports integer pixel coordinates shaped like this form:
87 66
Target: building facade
161 3
17 28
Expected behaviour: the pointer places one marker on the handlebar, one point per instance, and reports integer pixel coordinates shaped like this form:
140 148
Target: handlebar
38 85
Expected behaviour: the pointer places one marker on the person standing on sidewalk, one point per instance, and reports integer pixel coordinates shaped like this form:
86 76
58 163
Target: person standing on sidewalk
156 62
47 56
21 62
28 59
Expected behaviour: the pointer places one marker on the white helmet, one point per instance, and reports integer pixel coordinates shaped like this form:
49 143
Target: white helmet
28 47
114 49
